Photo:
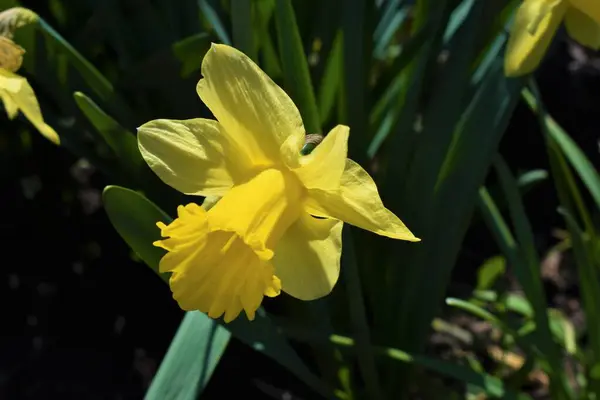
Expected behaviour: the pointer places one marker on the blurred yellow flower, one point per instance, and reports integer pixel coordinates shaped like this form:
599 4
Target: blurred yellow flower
537 21
15 91
261 237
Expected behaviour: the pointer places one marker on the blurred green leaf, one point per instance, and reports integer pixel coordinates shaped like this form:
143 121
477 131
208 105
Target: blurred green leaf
589 283
135 217
466 166
392 19
493 386
577 158
122 142
563 330
214 20
190 51
490 271
531 178
457 18
270 59
358 317
193 355
385 113
509 301
529 276
355 74
295 65
332 79
479 312
241 21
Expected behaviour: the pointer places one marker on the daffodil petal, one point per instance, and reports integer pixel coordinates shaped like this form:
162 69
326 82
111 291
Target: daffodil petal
258 117
307 257
188 155
582 28
323 168
589 7
12 109
532 31
17 93
357 202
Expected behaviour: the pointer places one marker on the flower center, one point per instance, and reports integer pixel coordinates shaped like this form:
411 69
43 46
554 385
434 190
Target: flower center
260 210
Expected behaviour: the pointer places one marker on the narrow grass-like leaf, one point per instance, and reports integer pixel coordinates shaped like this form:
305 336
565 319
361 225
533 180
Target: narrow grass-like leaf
429 20
389 25
270 58
493 386
241 21
122 142
478 312
490 271
385 114
467 163
134 217
359 318
500 230
529 276
295 65
331 81
190 52
193 355
355 13
213 19
445 109
530 179
589 283
577 158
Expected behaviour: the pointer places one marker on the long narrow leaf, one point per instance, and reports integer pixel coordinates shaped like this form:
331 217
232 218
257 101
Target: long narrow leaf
191 359
530 277
295 65
241 20
589 282
359 318
588 174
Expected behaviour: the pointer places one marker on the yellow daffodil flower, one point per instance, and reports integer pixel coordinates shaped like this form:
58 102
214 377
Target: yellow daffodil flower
537 21
262 236
15 91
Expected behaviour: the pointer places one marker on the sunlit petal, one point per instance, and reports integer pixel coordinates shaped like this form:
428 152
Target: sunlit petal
189 155
258 117
307 258
357 202
323 168
589 7
582 28
532 31
17 93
